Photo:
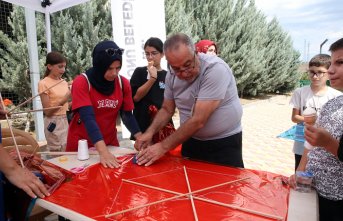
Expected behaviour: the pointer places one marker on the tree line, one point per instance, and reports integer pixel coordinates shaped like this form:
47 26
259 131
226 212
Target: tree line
259 51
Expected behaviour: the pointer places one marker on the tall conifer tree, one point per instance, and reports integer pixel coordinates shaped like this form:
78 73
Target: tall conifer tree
14 57
241 32
75 32
177 18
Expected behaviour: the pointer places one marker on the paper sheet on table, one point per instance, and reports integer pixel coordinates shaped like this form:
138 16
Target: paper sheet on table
70 161
99 191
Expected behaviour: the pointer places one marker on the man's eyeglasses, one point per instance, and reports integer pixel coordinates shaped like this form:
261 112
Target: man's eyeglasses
186 68
152 54
318 74
114 51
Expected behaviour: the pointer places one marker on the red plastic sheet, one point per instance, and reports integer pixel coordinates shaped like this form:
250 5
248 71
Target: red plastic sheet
101 191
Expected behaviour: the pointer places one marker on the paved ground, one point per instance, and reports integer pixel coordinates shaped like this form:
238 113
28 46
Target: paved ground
262 121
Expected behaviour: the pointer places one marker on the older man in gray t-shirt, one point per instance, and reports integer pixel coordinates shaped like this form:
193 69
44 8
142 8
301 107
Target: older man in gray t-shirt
204 90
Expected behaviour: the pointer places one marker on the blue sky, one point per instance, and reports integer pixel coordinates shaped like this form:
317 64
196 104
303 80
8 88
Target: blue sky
309 22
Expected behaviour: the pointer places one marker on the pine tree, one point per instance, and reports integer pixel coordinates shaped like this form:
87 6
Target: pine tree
282 60
260 54
177 18
77 30
74 31
14 57
248 51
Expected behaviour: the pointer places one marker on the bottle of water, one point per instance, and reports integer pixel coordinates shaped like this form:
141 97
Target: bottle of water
303 181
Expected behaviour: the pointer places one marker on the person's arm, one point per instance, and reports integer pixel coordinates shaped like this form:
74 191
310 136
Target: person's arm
130 122
320 137
46 103
295 102
162 117
3 113
88 118
21 177
296 117
65 98
202 112
145 88
303 161
340 149
301 167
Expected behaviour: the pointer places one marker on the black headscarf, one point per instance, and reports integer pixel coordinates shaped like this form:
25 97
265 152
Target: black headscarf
102 59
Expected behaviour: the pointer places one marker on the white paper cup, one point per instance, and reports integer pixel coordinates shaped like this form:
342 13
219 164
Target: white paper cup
310 119
82 151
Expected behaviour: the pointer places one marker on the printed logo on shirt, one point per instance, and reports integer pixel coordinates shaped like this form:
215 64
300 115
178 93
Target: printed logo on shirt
108 103
317 109
162 85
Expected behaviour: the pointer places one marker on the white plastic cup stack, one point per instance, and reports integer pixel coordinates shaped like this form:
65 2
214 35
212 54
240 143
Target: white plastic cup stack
82 151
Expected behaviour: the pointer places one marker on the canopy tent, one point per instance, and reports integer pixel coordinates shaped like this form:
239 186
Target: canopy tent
129 32
56 5
47 7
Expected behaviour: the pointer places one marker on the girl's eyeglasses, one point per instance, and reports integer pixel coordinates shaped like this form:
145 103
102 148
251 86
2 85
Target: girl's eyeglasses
114 51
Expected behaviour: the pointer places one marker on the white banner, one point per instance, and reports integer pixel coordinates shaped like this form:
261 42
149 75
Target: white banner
133 22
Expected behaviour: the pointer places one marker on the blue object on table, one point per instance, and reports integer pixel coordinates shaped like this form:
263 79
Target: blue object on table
304 174
134 159
39 175
295 133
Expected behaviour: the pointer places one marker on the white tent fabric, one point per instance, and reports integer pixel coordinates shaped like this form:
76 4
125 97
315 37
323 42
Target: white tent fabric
56 5
30 7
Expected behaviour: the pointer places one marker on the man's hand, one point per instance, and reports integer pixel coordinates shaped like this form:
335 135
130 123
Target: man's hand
150 154
142 141
27 181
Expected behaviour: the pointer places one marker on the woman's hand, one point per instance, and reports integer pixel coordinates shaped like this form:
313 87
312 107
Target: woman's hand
108 160
152 70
